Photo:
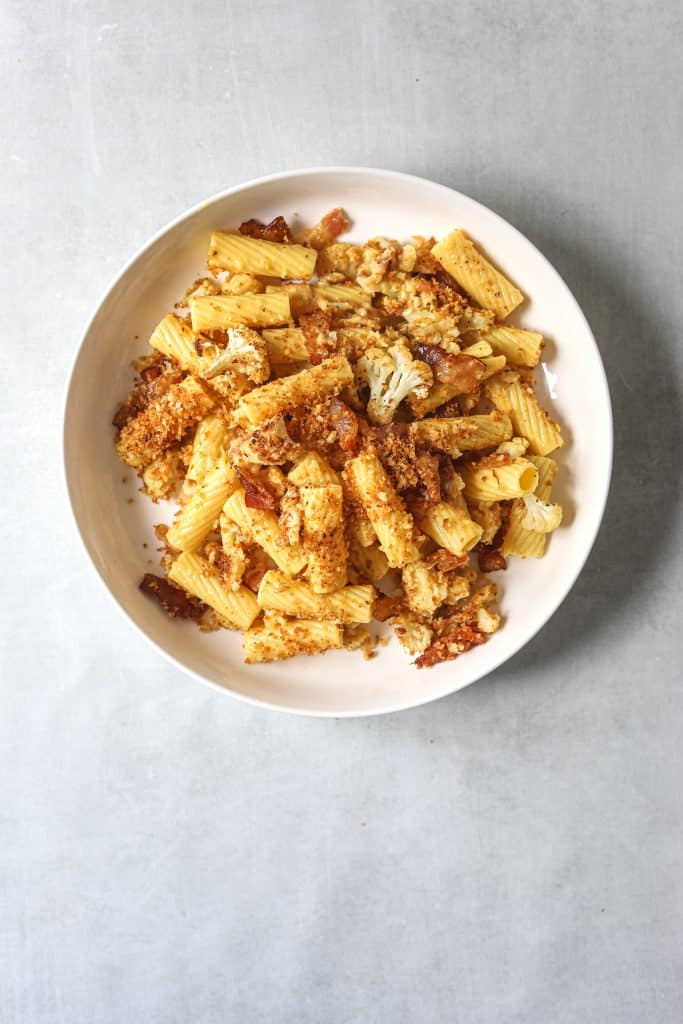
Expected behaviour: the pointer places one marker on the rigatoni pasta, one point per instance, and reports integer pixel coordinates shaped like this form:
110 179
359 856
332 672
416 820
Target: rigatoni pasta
235 252
522 348
218 312
277 638
236 608
451 527
458 434
295 598
356 447
201 512
261 526
176 340
388 516
519 402
324 538
479 278
310 385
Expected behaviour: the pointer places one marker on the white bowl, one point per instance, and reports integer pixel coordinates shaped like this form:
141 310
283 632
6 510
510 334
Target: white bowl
115 530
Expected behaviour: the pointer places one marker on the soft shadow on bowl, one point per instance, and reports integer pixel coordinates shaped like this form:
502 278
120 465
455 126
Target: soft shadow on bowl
643 502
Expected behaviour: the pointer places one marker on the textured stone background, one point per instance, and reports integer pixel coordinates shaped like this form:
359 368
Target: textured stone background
511 854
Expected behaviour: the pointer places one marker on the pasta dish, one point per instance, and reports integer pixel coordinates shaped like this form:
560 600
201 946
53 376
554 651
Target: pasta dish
353 437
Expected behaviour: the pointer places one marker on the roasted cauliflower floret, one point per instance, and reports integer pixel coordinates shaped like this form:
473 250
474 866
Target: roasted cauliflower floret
392 374
246 352
540 516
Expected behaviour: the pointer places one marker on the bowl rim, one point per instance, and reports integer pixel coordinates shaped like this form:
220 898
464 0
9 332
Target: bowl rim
353 170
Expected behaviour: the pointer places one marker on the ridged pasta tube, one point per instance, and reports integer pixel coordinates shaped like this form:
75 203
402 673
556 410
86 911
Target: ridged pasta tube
296 599
237 608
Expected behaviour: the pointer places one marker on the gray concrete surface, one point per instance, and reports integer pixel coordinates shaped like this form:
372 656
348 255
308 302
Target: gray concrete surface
511 854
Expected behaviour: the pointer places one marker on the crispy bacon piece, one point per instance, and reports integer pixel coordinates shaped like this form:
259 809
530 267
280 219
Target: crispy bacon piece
384 607
345 422
488 555
445 561
317 330
277 231
335 223
326 230
449 408
257 494
425 492
395 448
491 560
174 600
461 371
253 576
449 644
129 408
332 225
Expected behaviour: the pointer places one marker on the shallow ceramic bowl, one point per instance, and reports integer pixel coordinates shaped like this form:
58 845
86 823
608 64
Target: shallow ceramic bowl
114 530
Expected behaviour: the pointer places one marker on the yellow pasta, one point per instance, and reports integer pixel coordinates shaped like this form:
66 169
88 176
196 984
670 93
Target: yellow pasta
218 312
210 440
263 528
546 469
521 347
175 339
489 481
341 295
244 255
312 385
456 434
278 638
529 420
480 349
301 298
359 526
198 516
324 537
312 469
518 540
392 524
285 345
296 599
451 528
493 364
237 608
475 275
